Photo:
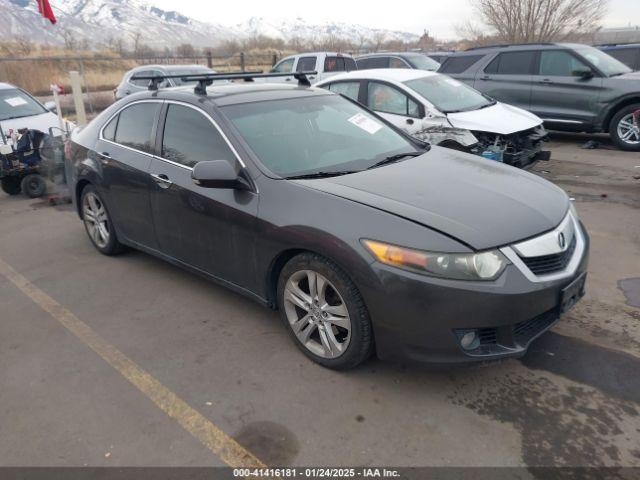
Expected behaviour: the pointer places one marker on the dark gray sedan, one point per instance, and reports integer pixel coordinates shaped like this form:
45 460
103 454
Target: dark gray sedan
365 239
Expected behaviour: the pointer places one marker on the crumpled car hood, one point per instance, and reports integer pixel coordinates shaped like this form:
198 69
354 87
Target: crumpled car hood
482 203
500 118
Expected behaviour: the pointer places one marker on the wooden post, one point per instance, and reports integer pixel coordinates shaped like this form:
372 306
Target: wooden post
209 59
274 60
242 61
56 99
76 89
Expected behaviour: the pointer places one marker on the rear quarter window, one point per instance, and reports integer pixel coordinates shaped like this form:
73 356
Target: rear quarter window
373 62
459 64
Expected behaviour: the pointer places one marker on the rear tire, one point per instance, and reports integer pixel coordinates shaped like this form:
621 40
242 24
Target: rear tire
623 132
11 185
97 222
324 312
33 185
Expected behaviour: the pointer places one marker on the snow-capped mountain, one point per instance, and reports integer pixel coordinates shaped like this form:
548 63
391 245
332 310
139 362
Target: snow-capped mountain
99 21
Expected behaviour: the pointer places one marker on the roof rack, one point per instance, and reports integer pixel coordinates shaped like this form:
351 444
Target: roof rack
206 79
504 45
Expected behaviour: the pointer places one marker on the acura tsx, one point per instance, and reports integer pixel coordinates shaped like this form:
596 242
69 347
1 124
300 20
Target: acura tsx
364 238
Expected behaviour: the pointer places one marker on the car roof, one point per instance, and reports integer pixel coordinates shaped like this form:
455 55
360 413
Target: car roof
518 46
308 54
235 93
168 67
6 86
617 46
387 54
390 74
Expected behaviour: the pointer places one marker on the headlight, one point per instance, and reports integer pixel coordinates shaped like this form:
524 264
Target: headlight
457 266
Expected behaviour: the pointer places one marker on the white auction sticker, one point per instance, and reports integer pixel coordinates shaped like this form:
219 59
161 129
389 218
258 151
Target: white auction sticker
15 101
365 123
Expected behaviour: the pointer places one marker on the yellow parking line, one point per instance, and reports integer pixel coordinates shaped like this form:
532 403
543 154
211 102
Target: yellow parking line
222 445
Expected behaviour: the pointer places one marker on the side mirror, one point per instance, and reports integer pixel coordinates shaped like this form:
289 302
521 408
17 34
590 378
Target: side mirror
584 73
220 174
51 106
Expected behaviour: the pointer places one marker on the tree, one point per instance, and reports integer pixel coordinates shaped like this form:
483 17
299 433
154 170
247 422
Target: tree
523 21
185 50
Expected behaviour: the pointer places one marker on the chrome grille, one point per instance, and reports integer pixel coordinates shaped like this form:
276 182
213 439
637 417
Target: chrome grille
546 264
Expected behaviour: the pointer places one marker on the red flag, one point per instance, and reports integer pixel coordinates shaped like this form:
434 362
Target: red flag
45 10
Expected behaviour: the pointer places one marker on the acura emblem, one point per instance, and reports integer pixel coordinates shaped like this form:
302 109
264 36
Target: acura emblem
561 240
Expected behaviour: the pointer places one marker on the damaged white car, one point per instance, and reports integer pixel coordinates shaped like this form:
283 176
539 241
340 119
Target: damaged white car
443 111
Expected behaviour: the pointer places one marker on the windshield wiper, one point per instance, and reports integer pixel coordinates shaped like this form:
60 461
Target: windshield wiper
490 104
321 174
395 158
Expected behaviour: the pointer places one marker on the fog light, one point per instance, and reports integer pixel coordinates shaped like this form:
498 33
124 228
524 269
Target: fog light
470 340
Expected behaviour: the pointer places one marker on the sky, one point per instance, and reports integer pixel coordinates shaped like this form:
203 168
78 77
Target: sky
437 16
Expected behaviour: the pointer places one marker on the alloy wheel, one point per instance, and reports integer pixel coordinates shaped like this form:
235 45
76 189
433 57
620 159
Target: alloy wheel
317 314
96 219
629 130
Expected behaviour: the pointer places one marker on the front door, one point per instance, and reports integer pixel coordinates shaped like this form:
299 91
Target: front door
395 106
124 151
207 228
560 96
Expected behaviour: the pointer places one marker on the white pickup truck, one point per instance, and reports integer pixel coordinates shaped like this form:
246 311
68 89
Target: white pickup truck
325 63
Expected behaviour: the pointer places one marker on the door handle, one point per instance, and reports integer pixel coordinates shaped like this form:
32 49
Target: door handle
105 157
485 77
288 79
545 81
162 180
410 121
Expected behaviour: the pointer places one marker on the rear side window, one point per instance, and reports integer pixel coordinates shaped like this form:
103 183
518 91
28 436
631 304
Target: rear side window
373 62
395 62
141 83
559 63
306 64
348 89
190 137
459 64
512 63
386 99
336 64
135 124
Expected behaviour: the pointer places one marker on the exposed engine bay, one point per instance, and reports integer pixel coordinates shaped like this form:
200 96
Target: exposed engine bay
519 149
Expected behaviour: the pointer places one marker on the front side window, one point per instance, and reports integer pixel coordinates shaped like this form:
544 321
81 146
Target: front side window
135 124
512 63
14 103
285 66
190 137
602 61
448 94
387 99
306 64
322 133
559 63
348 89
395 62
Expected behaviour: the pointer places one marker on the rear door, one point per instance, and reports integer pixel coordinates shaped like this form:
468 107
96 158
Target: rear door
125 148
508 78
206 228
395 106
559 96
307 64
334 64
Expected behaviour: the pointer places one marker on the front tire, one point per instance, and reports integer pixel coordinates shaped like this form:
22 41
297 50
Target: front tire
625 128
324 312
33 185
11 185
97 222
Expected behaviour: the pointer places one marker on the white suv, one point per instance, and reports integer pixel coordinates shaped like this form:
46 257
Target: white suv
325 63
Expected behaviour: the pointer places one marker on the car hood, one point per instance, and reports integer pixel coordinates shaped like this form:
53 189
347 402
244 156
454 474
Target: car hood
500 118
41 122
481 203
634 76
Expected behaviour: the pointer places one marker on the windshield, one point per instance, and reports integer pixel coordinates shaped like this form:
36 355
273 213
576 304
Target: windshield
15 103
603 61
448 95
422 62
323 133
188 71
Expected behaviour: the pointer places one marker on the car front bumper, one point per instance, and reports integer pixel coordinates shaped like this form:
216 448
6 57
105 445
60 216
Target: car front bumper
422 318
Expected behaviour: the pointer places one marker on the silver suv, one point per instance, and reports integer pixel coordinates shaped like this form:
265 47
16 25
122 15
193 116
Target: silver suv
128 86
570 86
